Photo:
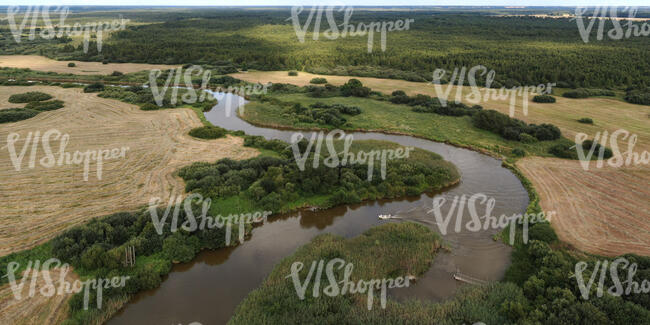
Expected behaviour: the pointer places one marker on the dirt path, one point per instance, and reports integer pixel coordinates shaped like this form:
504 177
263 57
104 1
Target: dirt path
40 202
41 63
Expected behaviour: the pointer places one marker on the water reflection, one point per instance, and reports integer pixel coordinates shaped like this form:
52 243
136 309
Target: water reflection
209 288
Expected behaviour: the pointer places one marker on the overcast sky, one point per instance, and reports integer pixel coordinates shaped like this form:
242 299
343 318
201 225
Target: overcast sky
328 2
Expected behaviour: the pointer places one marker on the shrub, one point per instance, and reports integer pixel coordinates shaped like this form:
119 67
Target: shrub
563 151
588 144
545 131
518 152
16 114
527 138
513 129
104 61
638 96
578 93
93 88
45 106
318 81
354 87
543 232
116 74
544 99
68 85
293 73
491 120
584 93
586 120
28 97
208 132
568 150
149 107
71 65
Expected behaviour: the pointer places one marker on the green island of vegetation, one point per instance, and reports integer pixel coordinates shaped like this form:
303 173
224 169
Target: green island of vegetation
37 102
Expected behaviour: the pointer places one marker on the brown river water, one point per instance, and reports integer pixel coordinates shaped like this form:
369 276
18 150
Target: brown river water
208 289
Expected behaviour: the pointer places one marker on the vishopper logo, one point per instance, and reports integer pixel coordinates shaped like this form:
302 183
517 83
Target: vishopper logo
617 159
346 29
204 221
627 287
190 97
347 157
49 289
483 94
49 31
482 222
49 159
602 15
346 285
181 78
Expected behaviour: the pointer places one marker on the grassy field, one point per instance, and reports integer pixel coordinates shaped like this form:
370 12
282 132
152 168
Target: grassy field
608 114
388 117
40 202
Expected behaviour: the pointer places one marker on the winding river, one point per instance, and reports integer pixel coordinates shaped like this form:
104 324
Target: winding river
209 288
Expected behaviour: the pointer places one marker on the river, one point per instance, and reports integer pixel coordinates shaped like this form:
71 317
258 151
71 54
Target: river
209 288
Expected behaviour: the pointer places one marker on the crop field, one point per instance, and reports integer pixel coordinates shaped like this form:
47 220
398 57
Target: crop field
40 202
41 63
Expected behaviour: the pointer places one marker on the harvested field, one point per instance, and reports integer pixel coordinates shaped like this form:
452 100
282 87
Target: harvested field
39 202
37 309
602 211
41 63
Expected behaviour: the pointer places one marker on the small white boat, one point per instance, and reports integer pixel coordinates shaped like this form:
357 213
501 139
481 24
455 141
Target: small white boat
387 216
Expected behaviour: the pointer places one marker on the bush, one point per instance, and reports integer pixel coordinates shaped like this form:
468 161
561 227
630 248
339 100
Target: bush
116 74
149 107
586 120
543 232
71 65
45 106
584 93
569 151
28 97
545 132
354 87
104 61
527 138
638 96
293 73
588 144
563 151
513 129
208 132
16 114
544 99
318 81
518 152
93 88
578 93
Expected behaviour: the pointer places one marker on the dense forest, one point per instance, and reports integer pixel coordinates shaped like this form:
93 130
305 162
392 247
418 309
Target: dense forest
527 50
521 50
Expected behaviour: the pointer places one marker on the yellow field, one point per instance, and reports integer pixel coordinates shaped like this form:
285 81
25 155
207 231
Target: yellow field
41 63
39 202
602 211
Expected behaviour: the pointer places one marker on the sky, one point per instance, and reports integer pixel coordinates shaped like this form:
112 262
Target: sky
570 3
